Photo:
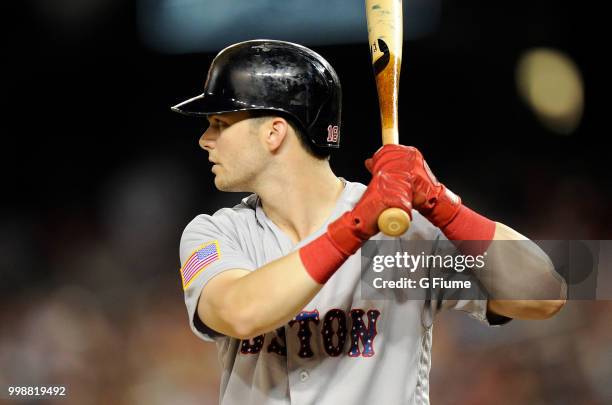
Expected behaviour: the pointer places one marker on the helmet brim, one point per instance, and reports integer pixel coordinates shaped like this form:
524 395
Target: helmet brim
206 104
196 106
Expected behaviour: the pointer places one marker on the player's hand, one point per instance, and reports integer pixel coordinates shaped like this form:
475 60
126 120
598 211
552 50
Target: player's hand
430 197
390 186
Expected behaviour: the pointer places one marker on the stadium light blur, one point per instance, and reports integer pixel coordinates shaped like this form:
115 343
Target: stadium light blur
550 83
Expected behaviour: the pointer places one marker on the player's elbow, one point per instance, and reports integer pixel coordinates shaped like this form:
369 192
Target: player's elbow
528 309
243 324
547 308
228 319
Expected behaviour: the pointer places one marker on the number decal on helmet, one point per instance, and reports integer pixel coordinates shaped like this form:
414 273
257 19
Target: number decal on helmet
332 133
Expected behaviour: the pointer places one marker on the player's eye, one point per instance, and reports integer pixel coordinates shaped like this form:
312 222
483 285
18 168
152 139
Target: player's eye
218 123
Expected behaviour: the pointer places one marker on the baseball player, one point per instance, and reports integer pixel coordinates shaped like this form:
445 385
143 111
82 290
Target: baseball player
274 281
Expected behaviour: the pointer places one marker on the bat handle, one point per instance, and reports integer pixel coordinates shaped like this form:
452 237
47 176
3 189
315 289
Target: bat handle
393 221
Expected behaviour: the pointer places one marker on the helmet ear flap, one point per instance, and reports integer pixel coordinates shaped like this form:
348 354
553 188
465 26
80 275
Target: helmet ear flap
325 130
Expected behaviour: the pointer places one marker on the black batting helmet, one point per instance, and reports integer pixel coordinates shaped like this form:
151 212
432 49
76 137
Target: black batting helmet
272 75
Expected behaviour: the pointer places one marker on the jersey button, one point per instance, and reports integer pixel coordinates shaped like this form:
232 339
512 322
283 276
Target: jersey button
304 375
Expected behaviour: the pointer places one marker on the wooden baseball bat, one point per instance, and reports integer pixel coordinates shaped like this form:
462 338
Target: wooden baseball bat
385 34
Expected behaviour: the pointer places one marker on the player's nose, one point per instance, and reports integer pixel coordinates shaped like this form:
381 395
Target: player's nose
207 140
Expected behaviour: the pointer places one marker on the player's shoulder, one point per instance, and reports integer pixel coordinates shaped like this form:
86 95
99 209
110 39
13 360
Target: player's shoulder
227 220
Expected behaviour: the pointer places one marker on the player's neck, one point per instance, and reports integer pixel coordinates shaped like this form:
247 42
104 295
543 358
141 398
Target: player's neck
301 200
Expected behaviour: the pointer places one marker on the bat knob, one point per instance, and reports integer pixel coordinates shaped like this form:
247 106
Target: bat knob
393 221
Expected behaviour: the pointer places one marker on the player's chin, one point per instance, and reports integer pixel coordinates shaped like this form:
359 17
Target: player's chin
223 184
220 184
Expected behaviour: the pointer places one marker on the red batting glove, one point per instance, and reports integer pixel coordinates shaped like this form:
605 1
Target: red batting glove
430 197
438 204
390 187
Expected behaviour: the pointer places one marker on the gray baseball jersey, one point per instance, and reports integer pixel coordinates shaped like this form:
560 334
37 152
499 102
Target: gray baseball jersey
340 348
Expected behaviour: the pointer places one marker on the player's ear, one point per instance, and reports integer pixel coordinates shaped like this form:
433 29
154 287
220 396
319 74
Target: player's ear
276 132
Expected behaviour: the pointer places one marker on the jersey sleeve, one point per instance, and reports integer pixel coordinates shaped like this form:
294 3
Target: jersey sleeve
475 304
476 307
209 246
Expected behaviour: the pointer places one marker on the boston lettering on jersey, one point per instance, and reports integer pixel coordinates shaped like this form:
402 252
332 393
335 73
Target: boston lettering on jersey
335 324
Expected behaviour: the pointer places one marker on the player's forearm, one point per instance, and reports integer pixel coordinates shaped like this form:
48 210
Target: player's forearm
517 270
268 297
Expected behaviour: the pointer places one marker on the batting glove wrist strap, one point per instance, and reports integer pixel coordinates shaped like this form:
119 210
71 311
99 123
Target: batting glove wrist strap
468 225
321 258
324 255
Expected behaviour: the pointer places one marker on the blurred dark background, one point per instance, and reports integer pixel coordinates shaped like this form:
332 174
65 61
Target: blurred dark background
101 178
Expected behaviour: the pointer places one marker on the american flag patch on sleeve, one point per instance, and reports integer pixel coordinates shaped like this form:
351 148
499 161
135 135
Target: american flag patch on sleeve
199 259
